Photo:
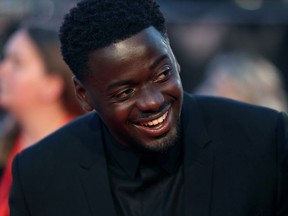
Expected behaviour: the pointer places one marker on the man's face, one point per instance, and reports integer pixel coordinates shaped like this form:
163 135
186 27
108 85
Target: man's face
134 86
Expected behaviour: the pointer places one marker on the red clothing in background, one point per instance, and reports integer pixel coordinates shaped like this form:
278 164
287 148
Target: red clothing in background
6 181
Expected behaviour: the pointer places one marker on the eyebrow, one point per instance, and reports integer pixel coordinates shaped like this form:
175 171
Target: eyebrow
158 61
119 83
126 82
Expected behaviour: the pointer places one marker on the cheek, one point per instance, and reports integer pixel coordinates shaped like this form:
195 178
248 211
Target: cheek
14 85
16 93
116 116
177 81
174 88
24 85
21 87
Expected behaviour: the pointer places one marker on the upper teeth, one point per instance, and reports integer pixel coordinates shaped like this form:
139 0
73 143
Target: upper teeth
155 121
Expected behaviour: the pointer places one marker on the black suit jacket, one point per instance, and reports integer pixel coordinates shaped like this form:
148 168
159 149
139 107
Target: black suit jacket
235 164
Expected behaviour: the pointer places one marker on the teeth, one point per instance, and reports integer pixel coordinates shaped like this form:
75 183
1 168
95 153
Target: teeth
155 121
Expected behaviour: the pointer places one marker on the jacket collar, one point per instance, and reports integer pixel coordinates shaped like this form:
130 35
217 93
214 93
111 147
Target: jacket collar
94 175
198 159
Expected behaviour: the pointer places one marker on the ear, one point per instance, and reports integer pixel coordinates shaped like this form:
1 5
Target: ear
82 95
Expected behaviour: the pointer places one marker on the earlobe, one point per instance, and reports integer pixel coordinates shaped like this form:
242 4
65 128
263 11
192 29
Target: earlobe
82 95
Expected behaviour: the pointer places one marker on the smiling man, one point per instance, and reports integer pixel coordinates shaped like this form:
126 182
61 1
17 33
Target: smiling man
139 96
147 148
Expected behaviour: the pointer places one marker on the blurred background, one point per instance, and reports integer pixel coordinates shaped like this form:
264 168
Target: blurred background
199 30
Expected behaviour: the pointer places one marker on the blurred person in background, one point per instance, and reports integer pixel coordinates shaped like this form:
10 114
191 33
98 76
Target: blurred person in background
245 77
7 28
36 89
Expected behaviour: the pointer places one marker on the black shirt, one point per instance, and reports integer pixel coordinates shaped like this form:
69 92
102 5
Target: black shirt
145 185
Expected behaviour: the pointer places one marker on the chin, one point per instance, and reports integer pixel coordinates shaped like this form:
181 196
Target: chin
163 143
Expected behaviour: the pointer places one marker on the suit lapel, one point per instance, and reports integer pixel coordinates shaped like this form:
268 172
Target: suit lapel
94 174
198 161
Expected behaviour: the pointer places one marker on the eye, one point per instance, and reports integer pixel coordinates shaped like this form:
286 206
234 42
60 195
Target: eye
163 76
124 94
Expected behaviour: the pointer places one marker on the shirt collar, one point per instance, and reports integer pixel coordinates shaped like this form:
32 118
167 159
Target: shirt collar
119 155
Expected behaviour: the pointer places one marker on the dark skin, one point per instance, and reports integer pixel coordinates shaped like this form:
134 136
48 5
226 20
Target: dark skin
134 86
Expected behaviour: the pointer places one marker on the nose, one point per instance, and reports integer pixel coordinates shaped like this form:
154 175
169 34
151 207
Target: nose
150 99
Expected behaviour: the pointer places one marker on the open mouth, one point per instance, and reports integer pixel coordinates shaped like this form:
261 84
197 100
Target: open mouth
155 122
155 127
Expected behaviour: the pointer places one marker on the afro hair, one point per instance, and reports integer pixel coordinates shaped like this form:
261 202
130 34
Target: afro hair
94 24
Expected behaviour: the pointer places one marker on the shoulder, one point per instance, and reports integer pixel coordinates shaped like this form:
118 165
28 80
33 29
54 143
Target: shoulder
63 144
232 110
229 118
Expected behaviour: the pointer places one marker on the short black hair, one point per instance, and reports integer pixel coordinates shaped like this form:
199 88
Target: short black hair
95 24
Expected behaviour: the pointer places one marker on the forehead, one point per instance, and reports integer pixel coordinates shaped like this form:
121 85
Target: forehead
20 44
140 49
19 38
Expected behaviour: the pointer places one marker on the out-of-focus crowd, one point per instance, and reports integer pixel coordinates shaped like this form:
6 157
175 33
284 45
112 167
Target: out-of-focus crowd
36 96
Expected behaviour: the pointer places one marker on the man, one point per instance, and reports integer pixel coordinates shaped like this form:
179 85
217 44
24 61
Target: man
148 149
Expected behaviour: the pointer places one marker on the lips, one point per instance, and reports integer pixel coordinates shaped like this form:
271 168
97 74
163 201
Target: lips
157 126
155 122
